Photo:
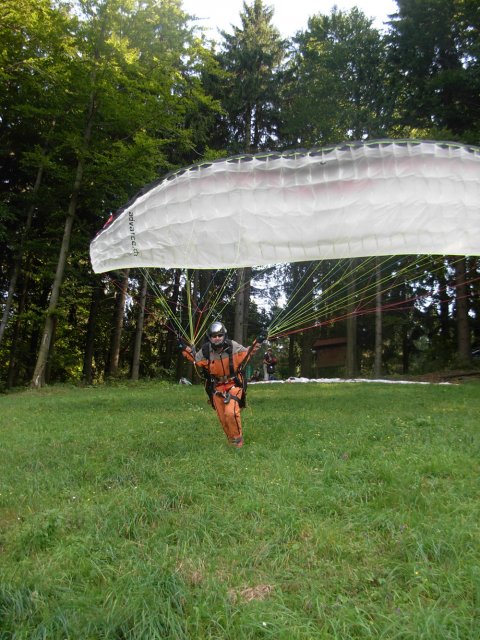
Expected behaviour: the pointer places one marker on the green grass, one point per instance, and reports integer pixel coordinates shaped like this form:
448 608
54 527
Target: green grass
352 512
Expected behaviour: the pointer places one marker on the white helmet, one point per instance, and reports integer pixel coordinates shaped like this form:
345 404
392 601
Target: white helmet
217 329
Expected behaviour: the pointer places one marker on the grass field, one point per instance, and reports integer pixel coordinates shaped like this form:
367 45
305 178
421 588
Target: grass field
351 512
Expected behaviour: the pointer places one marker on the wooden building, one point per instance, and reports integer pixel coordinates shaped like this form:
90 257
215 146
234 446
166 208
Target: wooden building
330 352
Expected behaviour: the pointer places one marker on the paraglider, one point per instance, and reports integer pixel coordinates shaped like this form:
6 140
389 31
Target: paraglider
361 199
381 198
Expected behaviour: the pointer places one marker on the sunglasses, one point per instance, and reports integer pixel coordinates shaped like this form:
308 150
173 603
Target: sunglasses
216 335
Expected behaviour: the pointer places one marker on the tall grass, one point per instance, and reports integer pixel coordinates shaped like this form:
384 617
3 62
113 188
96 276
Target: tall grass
351 512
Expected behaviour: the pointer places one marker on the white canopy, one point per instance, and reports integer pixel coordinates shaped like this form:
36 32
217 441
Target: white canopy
385 197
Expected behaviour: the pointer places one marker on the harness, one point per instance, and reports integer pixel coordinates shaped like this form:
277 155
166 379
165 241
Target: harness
236 376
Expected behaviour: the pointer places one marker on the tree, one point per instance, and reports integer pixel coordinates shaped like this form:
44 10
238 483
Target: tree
434 50
336 82
121 82
35 47
251 57
351 365
377 363
299 287
88 355
139 330
461 308
117 325
241 308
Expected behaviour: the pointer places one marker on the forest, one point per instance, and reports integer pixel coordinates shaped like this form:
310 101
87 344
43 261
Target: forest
101 97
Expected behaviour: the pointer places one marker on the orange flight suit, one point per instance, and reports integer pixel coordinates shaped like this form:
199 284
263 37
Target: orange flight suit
227 391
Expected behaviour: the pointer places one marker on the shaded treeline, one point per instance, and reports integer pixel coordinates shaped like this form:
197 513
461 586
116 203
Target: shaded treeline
99 98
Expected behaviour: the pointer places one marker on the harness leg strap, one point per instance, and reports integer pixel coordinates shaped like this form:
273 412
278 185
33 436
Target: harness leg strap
226 396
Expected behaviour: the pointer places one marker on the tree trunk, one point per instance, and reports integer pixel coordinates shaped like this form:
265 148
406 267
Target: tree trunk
444 305
301 299
307 356
139 331
291 356
195 308
377 365
13 365
88 372
248 130
242 301
406 348
463 324
351 365
38 379
246 303
118 319
473 277
48 366
171 335
17 265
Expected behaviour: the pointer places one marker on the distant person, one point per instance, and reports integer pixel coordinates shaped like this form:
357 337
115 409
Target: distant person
269 365
255 375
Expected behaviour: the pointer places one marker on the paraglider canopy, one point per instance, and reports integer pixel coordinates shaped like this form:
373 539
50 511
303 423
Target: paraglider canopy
377 198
